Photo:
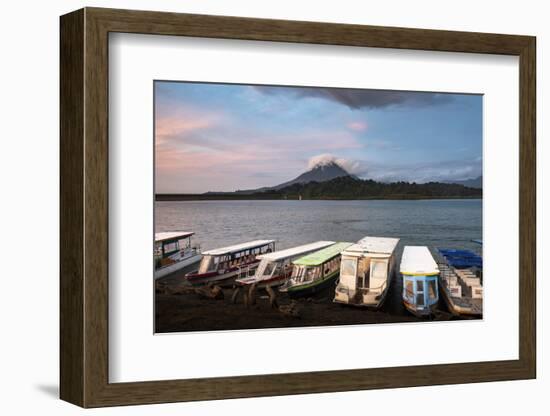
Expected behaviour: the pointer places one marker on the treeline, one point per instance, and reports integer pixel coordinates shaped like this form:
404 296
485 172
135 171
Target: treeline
344 188
353 188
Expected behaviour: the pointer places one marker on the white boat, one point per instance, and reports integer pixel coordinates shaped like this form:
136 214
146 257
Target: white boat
420 273
366 271
222 265
276 268
174 251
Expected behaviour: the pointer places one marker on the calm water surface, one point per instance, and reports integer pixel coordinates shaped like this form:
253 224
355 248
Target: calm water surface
435 223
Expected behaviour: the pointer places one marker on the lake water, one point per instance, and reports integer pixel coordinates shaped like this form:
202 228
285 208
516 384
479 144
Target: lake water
435 223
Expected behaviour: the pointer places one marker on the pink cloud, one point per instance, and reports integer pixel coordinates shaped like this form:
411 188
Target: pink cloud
171 127
358 126
197 150
190 153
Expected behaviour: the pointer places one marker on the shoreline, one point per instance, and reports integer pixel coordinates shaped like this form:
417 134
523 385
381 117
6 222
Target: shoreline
217 197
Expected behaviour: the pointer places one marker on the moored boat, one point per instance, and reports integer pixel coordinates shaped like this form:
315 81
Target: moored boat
420 274
461 281
366 271
315 272
223 264
275 268
174 251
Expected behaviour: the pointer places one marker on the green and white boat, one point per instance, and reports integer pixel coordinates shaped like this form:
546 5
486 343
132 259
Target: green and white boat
315 271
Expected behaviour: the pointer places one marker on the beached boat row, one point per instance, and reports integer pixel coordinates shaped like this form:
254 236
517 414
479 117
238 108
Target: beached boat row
276 268
361 271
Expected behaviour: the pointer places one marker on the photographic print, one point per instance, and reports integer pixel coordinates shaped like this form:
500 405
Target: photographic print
292 206
312 183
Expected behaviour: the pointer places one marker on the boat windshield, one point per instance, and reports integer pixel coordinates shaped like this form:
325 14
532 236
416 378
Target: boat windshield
266 268
297 272
158 249
208 263
311 273
185 242
348 267
378 269
305 274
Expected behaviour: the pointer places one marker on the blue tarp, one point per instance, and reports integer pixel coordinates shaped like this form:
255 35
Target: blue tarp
461 259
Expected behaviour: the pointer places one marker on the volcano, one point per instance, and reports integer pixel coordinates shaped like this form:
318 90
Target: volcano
322 172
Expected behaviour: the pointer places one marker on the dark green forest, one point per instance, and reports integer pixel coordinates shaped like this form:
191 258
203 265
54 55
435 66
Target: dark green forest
346 187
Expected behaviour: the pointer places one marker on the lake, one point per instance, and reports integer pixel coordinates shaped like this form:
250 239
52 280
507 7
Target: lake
436 223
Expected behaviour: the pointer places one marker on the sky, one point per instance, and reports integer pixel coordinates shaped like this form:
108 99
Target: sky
226 137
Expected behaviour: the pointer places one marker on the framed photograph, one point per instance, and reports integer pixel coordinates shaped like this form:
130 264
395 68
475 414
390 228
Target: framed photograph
255 207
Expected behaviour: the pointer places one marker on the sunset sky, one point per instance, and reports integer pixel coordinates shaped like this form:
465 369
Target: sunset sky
222 137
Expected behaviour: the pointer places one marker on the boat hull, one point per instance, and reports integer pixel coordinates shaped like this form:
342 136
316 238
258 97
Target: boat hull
423 312
459 310
225 279
262 283
312 288
420 312
376 303
174 267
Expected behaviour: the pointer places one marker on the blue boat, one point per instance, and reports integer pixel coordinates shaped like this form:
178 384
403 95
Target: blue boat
420 280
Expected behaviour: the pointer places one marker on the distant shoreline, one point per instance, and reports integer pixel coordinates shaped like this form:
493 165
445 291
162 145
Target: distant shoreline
342 188
237 197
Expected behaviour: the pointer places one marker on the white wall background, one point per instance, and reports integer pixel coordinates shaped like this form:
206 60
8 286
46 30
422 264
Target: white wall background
29 159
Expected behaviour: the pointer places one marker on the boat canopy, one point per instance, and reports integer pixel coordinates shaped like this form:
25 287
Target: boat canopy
237 248
375 245
418 261
172 236
461 259
294 251
319 257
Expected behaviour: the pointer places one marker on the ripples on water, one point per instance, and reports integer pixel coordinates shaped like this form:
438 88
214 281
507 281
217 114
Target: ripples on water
435 223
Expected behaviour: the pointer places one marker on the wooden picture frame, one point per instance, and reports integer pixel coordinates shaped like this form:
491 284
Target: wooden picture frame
84 207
